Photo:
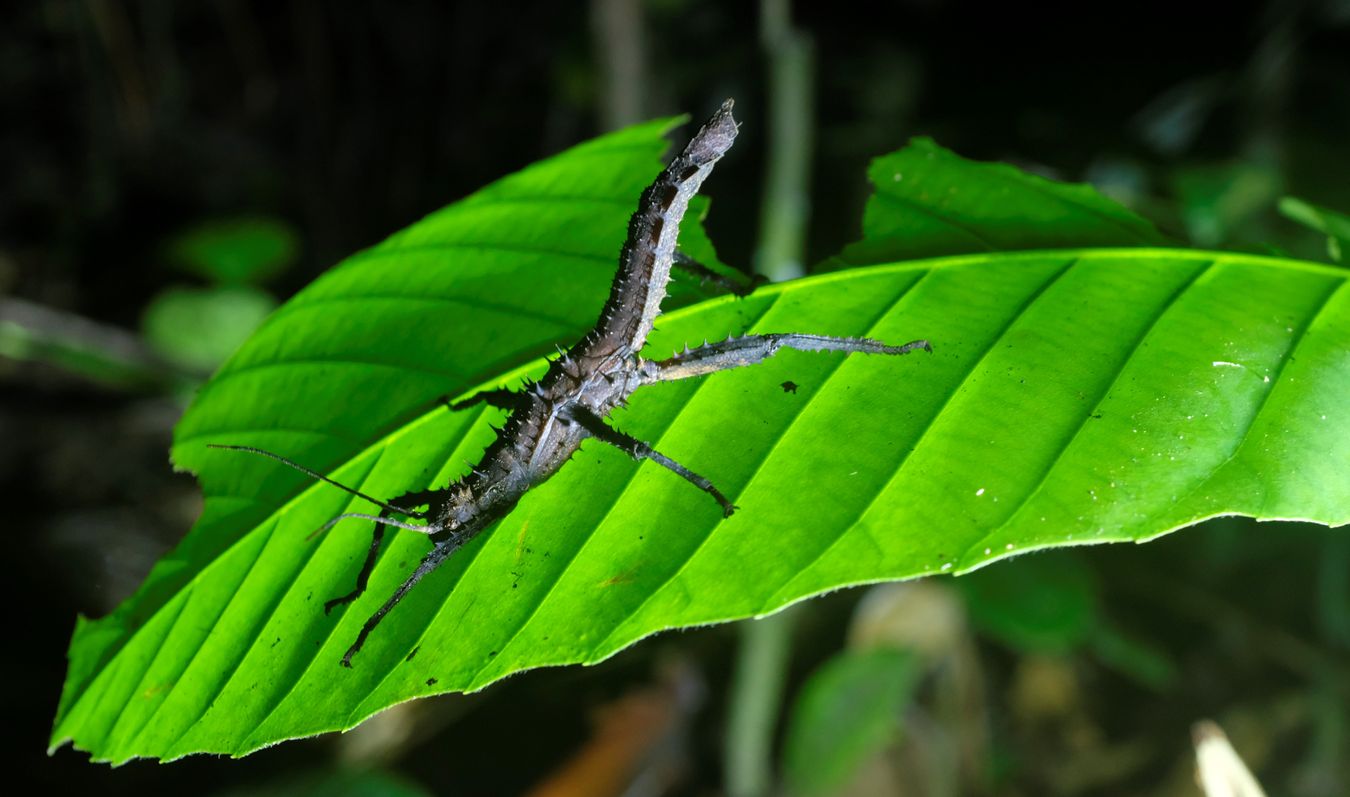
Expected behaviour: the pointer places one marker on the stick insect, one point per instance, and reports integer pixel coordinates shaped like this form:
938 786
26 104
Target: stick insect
550 418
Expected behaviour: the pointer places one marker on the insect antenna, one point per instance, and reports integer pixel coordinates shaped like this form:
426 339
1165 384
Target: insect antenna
428 529
320 477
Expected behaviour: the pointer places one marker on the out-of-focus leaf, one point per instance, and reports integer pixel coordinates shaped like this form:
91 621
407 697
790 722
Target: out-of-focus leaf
1171 122
1219 201
1133 657
1335 226
248 249
1037 604
927 201
197 328
845 712
333 783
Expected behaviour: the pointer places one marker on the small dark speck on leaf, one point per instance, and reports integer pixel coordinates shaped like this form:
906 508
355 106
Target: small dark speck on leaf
491 653
431 682
412 653
789 387
1098 416
274 644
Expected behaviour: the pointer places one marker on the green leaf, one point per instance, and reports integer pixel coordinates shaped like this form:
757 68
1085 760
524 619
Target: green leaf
332 783
1049 605
247 249
197 328
927 201
1074 397
1335 226
1220 201
1041 604
846 711
1139 659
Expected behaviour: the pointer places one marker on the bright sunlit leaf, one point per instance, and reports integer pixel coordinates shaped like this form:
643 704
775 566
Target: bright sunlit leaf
1074 396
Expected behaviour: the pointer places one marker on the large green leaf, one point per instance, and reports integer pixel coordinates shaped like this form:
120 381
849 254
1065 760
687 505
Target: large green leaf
928 201
480 287
1074 397
475 289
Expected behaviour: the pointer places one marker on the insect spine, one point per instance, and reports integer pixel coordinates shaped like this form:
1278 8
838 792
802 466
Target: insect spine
550 419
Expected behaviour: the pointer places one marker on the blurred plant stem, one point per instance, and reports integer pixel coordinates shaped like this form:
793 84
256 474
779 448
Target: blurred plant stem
107 355
756 697
620 48
765 644
785 207
1269 641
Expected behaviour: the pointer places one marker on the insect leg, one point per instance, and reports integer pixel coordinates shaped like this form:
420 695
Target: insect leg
752 349
691 266
430 562
409 499
639 450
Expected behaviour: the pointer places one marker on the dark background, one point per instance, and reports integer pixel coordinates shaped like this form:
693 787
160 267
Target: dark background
128 123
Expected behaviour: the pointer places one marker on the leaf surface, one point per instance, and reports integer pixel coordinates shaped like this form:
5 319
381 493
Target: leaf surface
928 201
1075 396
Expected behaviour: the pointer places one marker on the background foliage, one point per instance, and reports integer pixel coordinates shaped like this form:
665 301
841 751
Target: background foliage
131 126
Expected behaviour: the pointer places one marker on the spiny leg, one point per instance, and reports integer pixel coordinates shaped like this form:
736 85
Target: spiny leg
753 349
639 450
691 266
430 562
410 500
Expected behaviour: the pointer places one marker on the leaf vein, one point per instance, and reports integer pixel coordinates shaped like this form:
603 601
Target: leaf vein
934 214
928 427
608 511
1068 442
801 409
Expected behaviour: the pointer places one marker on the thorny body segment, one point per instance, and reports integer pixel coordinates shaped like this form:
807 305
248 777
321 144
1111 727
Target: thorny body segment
550 419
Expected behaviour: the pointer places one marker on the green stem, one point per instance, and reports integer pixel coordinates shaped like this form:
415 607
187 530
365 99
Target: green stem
765 648
756 695
620 48
107 355
786 206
